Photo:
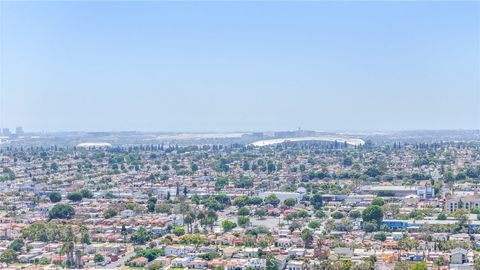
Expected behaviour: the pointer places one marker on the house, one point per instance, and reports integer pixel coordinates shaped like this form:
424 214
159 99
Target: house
296 252
250 252
197 264
180 262
440 236
161 261
178 250
174 250
235 264
295 265
397 236
460 237
28 258
217 262
127 213
415 257
281 261
138 262
283 242
458 256
341 252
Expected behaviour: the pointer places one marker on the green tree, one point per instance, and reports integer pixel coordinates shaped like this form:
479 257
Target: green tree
320 214
244 182
243 211
55 197
221 182
373 213
99 258
62 211
246 165
151 202
373 171
307 237
84 235
109 213
243 221
378 201
208 219
241 201
272 199
8 256
347 161
338 215
419 266
178 231
442 216
189 219
476 265
228 225
124 232
302 167
402 265
141 236
74 196
195 199
255 200
314 224
261 212
163 208
54 167
317 201
290 202
380 236
16 244
355 214
86 193
194 167
270 166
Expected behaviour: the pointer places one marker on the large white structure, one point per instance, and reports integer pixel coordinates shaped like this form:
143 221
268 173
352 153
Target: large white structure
94 145
282 196
350 141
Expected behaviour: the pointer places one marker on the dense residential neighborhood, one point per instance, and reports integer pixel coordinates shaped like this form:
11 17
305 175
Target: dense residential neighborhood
240 134
289 205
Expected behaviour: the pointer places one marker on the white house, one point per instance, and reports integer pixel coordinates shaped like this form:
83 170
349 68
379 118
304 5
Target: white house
295 265
458 256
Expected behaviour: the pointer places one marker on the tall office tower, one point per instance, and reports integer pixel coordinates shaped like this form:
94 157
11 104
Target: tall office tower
19 131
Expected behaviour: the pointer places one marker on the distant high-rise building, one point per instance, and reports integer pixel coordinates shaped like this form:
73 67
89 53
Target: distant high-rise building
6 132
19 131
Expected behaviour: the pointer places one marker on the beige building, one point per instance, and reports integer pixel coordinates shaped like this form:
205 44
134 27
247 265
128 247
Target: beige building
466 202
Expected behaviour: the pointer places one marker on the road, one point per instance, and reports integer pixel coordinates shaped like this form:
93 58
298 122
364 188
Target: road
121 261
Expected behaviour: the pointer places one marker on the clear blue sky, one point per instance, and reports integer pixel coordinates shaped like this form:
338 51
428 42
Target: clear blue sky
228 66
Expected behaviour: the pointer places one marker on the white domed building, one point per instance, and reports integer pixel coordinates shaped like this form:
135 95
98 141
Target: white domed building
94 145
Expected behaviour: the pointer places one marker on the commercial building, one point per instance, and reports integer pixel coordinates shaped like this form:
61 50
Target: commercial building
458 202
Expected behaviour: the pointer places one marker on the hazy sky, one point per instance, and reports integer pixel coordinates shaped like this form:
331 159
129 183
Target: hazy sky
217 66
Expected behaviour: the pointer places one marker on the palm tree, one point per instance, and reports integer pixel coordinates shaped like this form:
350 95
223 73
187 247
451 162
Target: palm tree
85 237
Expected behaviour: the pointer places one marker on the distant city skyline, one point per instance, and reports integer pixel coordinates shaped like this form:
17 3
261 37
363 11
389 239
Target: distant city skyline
239 66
